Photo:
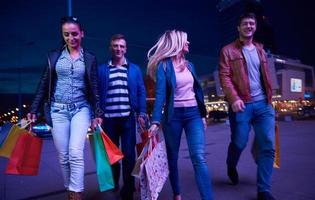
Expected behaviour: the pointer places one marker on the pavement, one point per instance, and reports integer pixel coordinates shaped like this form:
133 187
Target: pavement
293 181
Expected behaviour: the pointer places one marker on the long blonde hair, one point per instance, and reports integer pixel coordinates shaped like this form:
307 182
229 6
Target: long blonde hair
170 44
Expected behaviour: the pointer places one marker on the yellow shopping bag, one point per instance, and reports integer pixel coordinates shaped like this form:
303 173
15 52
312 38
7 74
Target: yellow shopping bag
9 143
276 163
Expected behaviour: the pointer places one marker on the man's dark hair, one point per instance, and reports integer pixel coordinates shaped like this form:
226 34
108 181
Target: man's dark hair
247 15
117 37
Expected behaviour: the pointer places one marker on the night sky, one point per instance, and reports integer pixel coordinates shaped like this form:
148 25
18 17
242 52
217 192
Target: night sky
293 23
30 28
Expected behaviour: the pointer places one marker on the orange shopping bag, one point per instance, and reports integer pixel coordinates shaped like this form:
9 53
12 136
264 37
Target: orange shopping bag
113 152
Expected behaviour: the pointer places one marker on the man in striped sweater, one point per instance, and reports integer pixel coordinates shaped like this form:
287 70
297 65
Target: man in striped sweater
123 99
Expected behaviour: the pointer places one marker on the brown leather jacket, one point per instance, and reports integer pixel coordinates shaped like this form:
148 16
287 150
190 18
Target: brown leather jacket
233 72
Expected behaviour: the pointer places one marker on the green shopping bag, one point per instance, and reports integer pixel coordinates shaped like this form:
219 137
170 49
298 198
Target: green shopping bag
103 168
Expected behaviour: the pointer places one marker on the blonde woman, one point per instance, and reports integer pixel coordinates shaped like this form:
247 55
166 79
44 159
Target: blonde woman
180 93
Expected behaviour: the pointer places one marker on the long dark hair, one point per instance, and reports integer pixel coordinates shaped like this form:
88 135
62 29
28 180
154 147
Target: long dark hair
72 20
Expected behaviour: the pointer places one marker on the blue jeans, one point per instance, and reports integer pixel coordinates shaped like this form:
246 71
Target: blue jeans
70 126
261 116
188 118
123 128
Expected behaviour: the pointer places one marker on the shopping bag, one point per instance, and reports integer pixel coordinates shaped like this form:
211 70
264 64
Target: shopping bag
25 157
144 139
10 141
145 193
137 170
4 132
103 168
156 169
142 135
146 149
276 163
113 152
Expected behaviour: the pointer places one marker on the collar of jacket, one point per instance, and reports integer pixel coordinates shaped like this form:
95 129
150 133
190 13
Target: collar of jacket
239 44
126 60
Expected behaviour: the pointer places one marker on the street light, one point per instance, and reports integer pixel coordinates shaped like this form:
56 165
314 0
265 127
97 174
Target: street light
69 8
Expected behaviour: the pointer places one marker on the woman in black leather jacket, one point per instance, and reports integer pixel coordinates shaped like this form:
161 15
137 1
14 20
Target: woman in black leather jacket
69 87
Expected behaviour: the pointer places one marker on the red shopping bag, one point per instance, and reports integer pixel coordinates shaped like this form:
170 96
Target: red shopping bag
113 152
145 139
26 154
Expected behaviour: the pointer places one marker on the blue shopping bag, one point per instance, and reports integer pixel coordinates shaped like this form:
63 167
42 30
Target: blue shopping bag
103 167
4 132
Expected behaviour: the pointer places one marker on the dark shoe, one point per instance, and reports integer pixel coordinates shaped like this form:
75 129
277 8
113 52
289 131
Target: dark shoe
265 196
126 196
74 195
233 175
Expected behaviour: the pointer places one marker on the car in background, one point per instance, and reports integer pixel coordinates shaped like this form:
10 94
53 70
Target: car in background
42 130
306 111
217 115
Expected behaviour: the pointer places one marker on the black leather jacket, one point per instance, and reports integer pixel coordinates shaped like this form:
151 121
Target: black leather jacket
48 81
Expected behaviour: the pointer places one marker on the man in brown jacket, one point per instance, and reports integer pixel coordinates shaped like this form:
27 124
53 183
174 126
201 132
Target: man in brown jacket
245 80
